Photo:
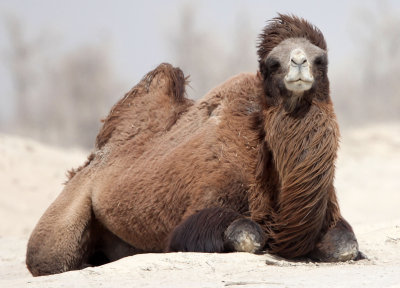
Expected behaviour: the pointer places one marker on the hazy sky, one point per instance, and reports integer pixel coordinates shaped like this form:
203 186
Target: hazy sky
138 31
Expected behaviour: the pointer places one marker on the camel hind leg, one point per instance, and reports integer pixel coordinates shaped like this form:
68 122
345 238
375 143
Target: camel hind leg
106 246
61 239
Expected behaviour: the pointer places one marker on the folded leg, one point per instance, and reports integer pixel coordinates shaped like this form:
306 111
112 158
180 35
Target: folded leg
216 230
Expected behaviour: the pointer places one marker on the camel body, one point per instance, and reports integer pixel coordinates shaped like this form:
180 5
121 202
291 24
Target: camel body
140 185
252 151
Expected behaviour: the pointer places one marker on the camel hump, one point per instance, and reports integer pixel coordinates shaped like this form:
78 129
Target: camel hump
151 107
169 78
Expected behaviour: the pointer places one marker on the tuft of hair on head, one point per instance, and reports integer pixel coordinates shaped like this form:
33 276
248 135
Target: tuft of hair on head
284 27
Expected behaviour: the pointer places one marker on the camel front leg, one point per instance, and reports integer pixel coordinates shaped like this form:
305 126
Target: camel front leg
216 230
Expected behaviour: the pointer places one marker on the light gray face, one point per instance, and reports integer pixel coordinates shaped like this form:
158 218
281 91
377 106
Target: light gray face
296 57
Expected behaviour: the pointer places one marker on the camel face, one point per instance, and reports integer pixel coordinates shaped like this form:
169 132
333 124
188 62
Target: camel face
298 69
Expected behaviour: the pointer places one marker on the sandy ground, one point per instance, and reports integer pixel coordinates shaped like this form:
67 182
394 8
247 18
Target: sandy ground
367 181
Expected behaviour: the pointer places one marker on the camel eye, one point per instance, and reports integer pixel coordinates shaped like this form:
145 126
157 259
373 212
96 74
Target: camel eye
320 61
273 65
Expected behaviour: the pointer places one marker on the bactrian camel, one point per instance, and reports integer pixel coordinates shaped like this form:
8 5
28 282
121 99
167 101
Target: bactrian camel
249 167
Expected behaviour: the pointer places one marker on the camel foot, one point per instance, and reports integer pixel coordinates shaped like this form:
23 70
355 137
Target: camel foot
337 245
244 235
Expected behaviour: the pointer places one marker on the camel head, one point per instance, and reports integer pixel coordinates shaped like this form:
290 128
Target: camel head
293 63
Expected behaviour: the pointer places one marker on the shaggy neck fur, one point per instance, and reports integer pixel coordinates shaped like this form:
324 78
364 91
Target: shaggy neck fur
304 153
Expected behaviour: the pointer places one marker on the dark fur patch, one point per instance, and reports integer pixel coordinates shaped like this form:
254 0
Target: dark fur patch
202 231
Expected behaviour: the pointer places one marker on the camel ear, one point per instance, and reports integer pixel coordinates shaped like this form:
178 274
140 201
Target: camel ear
259 76
262 72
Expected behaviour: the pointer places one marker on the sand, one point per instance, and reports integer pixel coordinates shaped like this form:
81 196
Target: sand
368 187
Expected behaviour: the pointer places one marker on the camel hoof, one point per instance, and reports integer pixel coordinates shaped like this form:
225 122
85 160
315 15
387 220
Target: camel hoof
339 244
244 235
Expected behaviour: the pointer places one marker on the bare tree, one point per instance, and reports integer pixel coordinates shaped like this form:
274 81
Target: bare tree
19 59
80 92
372 93
204 55
59 97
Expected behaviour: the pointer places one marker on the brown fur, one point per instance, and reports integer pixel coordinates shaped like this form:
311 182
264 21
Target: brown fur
124 121
201 162
160 159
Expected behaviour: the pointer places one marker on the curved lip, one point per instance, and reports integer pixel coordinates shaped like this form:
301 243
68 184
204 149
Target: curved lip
299 80
299 85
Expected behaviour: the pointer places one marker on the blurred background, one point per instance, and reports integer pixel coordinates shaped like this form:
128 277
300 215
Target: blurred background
64 63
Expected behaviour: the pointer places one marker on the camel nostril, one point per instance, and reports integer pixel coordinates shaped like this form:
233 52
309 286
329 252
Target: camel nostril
298 57
299 62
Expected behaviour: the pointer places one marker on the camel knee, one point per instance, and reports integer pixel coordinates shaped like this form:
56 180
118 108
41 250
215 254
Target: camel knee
337 245
244 235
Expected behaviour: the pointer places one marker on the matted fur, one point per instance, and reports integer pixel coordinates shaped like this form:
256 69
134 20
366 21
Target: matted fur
304 154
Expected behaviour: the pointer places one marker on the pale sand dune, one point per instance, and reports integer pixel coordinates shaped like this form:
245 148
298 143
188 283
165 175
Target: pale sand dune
367 181
368 174
31 177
